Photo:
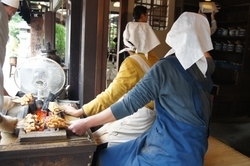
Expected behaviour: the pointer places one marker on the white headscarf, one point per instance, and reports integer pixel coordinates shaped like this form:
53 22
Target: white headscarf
12 3
190 38
142 37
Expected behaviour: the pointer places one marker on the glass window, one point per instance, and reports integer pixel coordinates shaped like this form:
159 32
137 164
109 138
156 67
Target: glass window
113 31
157 12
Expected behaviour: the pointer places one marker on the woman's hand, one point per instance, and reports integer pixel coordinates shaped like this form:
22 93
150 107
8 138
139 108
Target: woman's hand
212 15
79 126
68 109
199 11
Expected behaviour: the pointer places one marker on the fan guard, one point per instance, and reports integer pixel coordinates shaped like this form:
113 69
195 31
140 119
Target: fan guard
39 76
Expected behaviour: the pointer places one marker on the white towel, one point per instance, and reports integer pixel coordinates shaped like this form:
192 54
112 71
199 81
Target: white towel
12 3
190 38
142 37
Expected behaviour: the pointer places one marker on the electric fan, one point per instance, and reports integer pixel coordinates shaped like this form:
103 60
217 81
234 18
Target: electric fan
39 76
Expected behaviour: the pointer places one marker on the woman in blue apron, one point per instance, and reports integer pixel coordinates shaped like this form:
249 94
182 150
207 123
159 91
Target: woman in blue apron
180 84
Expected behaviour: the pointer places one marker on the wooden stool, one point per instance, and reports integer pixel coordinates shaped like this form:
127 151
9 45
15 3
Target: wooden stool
11 65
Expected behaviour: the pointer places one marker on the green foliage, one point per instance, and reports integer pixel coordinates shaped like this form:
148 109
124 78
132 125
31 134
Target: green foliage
16 18
13 38
60 40
112 36
113 30
13 28
13 46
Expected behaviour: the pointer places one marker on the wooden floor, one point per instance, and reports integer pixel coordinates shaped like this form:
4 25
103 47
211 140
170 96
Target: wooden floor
220 154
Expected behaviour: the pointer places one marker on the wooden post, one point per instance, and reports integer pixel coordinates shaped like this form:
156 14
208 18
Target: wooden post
49 28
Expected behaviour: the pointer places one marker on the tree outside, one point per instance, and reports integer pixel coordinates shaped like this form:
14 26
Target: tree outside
14 41
60 40
13 25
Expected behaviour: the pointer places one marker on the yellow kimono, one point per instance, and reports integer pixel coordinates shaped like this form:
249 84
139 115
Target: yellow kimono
128 76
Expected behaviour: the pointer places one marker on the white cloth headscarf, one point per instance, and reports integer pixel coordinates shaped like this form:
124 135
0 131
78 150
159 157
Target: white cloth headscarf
12 3
142 37
190 38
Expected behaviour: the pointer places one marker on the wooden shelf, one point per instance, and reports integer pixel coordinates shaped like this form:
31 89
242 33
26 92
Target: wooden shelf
222 76
228 37
228 52
222 89
238 22
231 81
244 6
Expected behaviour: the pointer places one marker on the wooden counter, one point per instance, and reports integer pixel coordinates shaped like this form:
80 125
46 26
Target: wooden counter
72 152
79 152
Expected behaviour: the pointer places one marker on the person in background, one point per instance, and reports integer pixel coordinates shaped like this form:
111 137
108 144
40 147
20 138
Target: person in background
213 22
140 14
131 71
180 85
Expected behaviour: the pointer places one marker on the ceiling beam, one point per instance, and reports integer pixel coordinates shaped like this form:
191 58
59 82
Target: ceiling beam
39 1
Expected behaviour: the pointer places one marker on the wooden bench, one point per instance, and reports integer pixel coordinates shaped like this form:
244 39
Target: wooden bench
220 154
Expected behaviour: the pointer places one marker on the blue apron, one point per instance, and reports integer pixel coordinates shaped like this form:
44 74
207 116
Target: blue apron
164 144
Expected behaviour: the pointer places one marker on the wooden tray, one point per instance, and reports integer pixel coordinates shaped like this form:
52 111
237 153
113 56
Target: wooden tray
51 136
42 136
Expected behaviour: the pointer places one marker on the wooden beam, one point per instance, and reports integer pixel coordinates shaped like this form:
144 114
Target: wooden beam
75 38
39 0
123 14
49 27
88 49
91 69
102 42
